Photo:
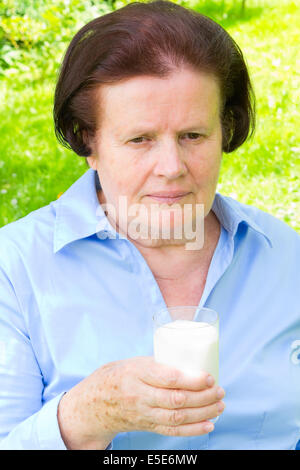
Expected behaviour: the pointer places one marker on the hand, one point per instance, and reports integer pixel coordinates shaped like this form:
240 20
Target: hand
136 394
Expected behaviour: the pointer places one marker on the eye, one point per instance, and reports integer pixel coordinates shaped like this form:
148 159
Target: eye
137 140
193 135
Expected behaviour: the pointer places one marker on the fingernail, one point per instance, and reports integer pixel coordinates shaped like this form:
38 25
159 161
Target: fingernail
209 427
210 380
220 406
220 393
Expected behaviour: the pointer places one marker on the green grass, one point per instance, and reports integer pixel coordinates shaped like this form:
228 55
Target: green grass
264 172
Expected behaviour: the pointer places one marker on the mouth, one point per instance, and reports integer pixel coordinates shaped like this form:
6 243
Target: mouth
168 199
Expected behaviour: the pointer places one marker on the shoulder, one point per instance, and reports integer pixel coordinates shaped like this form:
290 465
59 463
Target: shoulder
279 233
26 236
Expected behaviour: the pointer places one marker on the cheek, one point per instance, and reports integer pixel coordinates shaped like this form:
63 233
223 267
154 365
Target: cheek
122 178
210 157
205 170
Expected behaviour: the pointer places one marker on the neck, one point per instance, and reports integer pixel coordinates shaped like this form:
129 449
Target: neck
174 262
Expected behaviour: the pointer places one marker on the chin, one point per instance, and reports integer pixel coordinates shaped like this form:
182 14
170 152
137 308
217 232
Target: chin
157 243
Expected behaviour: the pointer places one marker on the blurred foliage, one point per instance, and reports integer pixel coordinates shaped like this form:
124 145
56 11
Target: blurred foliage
39 30
34 35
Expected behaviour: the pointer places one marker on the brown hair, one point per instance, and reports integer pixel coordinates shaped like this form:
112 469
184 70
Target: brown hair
149 38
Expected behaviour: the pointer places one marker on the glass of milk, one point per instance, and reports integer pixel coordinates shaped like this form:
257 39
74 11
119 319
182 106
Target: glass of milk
187 338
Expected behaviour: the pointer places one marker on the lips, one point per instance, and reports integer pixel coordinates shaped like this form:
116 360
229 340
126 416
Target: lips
168 198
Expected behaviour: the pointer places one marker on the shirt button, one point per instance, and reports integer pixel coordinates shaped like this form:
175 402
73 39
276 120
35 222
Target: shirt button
295 354
102 235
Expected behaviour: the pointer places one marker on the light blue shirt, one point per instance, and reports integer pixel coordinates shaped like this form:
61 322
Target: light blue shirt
72 299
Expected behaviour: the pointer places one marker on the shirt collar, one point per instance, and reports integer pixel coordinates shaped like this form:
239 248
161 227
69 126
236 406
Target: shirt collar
231 213
79 214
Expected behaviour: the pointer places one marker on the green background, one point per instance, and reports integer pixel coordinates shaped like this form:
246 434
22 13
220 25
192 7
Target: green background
35 168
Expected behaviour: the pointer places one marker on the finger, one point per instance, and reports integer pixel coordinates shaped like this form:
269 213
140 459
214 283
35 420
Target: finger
183 416
163 398
160 375
185 430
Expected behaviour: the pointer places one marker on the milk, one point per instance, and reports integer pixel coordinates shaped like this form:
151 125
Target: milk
192 347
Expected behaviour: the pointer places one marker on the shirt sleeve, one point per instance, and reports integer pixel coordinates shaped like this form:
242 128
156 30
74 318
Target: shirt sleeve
25 422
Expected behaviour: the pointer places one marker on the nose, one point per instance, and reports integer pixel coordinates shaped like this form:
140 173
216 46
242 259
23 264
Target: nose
170 161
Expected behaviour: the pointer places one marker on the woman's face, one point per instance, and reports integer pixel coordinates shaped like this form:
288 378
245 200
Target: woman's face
158 137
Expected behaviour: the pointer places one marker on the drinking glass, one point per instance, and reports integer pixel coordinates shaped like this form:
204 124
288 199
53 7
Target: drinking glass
187 338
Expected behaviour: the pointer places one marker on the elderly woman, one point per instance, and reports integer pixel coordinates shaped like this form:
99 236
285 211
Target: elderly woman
152 95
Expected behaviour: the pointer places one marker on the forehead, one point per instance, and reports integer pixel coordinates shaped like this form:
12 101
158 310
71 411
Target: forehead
184 94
